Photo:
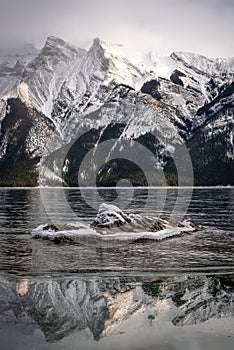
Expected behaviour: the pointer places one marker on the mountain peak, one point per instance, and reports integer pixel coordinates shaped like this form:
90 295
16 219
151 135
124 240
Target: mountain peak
56 43
198 62
53 40
104 47
97 41
119 68
55 46
189 57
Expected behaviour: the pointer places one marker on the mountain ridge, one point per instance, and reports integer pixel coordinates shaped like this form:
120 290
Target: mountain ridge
72 90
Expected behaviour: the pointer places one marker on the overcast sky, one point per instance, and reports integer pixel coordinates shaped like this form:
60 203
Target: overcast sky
202 26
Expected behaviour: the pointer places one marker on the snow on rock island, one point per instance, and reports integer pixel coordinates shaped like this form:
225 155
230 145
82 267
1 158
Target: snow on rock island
113 223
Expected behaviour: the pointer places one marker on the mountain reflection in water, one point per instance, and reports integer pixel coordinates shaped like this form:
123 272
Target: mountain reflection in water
59 307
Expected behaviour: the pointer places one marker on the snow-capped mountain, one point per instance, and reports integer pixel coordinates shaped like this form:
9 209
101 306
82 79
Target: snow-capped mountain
51 97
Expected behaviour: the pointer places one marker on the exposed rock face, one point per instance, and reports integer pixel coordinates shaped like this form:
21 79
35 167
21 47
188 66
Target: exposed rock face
110 219
53 96
110 216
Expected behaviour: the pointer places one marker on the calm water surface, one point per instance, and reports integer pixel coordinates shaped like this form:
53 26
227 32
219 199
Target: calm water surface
22 210
174 294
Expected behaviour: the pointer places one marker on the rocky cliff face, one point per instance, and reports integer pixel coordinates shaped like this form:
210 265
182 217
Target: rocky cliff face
62 98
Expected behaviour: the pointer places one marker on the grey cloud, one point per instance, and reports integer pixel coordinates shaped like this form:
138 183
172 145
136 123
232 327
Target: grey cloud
203 26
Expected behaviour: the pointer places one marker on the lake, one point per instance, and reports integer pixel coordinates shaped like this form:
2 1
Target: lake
177 293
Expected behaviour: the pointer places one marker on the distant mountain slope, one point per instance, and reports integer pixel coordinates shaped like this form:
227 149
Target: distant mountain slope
50 97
